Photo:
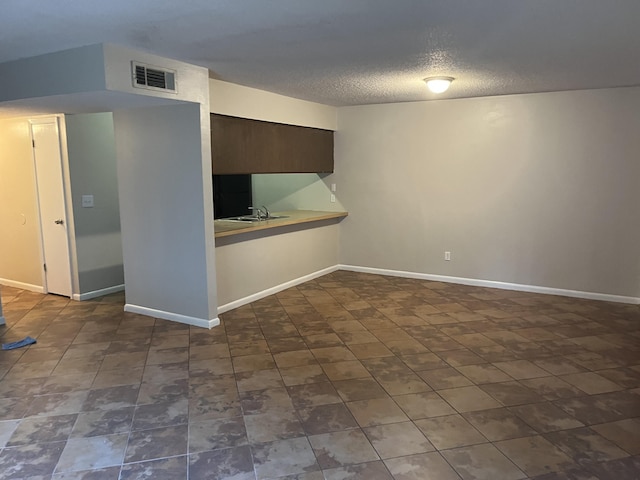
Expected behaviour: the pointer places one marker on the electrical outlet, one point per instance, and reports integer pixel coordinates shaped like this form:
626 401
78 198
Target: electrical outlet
333 187
447 256
333 198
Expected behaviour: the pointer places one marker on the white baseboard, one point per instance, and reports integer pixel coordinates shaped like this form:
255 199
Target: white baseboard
175 317
98 293
21 285
278 288
493 284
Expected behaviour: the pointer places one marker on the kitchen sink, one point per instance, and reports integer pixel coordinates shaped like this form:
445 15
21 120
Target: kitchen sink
252 218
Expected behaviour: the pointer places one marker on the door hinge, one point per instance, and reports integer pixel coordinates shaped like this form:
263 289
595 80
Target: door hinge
33 143
45 267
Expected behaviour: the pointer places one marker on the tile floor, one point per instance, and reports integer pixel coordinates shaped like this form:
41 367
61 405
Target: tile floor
350 376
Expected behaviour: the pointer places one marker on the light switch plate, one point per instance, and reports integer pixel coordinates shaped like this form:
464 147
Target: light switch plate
87 201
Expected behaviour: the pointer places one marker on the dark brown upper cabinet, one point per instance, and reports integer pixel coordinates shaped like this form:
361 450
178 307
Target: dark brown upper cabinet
241 145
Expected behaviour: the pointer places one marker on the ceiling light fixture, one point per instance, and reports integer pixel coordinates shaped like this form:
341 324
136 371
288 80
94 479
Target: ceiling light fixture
438 84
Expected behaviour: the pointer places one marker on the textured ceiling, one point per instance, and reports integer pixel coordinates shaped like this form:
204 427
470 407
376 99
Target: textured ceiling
348 52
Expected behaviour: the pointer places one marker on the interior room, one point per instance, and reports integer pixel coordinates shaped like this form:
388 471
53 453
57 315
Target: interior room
250 242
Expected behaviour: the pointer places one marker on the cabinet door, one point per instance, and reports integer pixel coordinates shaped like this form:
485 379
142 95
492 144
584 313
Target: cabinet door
241 145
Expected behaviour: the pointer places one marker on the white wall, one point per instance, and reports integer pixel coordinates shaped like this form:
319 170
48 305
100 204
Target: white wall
69 71
535 189
96 68
20 251
92 166
239 101
261 262
295 191
166 211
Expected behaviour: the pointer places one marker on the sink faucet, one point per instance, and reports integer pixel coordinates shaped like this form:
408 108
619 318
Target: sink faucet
261 214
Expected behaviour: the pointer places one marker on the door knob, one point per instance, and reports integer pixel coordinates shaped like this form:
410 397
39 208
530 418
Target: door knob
59 222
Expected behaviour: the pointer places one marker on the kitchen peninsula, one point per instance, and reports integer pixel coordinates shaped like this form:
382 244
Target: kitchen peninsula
228 227
259 258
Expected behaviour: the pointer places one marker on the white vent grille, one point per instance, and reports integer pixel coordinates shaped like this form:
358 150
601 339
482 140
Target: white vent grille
153 78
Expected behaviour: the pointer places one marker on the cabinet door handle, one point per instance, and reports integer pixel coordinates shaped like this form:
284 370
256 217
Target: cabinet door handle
59 222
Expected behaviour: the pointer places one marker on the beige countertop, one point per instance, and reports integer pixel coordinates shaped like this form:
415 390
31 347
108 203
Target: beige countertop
225 228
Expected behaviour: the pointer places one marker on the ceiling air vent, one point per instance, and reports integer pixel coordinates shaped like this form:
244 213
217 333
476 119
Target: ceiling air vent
153 78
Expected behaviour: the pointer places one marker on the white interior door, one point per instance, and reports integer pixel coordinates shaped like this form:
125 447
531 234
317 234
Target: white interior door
51 201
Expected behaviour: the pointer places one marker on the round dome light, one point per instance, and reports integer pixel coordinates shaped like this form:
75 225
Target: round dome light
438 84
